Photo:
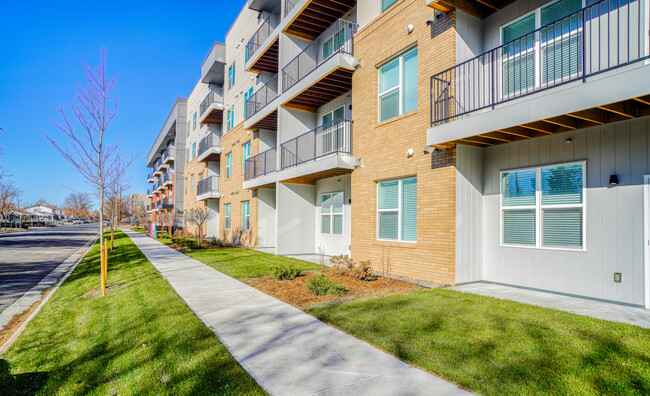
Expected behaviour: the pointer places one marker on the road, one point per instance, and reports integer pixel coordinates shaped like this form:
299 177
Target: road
28 256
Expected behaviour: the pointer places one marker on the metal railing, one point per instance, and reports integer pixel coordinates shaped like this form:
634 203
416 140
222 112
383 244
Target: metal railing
262 97
333 137
266 28
150 176
289 5
600 37
158 163
211 140
337 38
209 184
214 96
261 164
149 191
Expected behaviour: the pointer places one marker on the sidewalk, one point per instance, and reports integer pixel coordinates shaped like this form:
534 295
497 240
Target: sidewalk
287 351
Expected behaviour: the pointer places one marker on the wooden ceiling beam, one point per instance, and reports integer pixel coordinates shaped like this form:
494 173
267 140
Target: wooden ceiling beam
596 116
643 99
476 9
625 109
564 121
540 126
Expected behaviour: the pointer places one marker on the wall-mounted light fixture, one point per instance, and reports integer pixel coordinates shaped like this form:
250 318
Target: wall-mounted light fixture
613 180
568 141
410 152
409 28
439 150
427 150
618 277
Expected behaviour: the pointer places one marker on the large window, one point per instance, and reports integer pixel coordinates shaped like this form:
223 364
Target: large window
247 95
226 217
231 75
331 210
193 150
229 165
385 4
334 43
245 154
230 117
397 209
194 121
333 133
398 85
245 216
543 206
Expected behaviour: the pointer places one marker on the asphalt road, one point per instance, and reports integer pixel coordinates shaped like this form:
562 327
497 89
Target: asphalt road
26 257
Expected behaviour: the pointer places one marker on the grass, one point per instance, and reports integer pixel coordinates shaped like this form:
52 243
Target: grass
138 229
139 338
497 347
246 263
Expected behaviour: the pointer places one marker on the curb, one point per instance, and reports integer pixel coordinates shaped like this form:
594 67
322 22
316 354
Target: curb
40 286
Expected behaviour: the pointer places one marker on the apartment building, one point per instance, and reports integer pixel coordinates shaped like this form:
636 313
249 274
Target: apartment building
166 159
450 141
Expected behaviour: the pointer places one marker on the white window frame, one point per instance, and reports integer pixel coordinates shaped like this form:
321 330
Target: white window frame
538 207
230 118
228 167
400 221
331 215
227 216
244 156
231 75
194 121
246 217
399 86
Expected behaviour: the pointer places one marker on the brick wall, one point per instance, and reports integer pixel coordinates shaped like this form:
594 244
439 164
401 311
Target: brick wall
232 142
382 146
189 190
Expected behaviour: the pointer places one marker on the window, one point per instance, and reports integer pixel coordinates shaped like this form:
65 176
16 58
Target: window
544 206
229 165
193 150
537 59
245 154
230 117
385 4
398 85
333 44
194 121
397 209
231 75
226 217
333 134
188 128
245 217
192 184
247 95
331 209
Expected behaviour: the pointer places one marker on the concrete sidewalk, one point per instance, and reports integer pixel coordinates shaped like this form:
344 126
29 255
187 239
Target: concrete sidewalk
287 351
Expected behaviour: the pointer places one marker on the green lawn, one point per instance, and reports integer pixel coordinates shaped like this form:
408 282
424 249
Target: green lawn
245 263
497 347
140 338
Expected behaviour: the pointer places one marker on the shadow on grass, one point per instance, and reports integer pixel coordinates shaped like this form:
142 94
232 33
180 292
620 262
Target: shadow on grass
21 383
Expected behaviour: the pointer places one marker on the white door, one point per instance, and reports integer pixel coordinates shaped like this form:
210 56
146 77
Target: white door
646 239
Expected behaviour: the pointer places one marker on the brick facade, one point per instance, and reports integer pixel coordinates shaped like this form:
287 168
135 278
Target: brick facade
383 146
192 168
231 188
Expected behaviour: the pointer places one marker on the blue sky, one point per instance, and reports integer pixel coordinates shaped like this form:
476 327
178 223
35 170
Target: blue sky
156 48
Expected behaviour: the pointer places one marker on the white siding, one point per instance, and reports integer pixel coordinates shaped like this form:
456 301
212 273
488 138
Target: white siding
266 217
469 184
295 205
614 216
334 244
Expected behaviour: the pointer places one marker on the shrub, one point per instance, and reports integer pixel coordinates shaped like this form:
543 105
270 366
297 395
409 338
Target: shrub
285 271
162 235
188 243
321 285
344 265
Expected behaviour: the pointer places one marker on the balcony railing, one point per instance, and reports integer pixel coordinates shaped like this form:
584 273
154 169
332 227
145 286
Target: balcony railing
214 96
211 140
333 137
207 185
261 164
600 37
288 6
262 97
337 38
268 26
150 176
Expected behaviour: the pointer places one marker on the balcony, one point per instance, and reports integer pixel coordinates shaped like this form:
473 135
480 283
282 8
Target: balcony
167 180
150 177
261 164
212 69
309 18
262 50
167 203
209 148
156 168
323 70
583 70
208 188
168 156
211 109
149 193
259 112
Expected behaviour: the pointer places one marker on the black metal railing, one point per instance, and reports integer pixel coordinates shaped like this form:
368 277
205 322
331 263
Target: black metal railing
211 140
149 191
261 164
214 96
289 5
597 38
333 137
262 97
266 28
209 184
150 176
158 163
337 38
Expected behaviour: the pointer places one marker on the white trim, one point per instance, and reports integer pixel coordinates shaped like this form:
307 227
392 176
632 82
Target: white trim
332 214
646 241
398 210
400 86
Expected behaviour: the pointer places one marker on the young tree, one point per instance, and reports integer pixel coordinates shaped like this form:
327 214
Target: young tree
199 217
8 195
86 149
78 205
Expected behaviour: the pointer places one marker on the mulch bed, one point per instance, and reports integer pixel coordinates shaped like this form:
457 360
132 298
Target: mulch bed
295 293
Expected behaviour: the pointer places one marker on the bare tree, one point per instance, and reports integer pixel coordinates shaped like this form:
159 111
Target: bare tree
41 202
8 195
78 205
86 149
199 217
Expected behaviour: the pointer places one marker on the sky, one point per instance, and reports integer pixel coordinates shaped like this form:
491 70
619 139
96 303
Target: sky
155 48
